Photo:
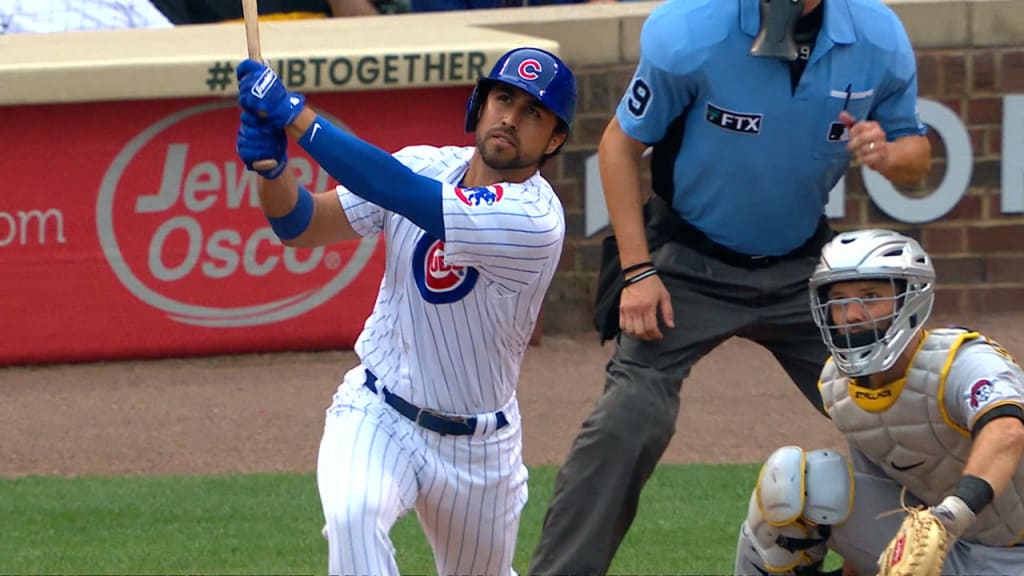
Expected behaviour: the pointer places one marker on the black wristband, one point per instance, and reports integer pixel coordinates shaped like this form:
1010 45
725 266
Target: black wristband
636 267
975 492
639 277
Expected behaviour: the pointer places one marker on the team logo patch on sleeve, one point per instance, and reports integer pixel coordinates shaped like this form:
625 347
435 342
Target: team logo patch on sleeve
439 282
981 392
487 195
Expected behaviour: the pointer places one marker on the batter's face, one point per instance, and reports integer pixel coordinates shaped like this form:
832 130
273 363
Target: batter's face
862 305
515 130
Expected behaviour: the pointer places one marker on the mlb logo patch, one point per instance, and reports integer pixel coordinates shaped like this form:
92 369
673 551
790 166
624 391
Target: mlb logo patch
837 132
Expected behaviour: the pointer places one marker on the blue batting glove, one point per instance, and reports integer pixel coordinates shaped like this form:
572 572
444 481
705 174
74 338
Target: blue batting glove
261 92
258 140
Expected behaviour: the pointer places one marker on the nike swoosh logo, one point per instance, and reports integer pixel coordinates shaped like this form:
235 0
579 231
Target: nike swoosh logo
905 468
316 126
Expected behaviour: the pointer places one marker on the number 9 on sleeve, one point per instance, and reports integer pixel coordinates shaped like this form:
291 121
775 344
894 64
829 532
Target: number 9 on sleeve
639 96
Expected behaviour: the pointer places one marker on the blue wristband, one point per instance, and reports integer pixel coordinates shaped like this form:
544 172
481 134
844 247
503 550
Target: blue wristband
294 223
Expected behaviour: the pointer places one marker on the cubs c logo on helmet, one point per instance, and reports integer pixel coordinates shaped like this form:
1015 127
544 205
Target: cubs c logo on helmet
438 282
488 195
530 69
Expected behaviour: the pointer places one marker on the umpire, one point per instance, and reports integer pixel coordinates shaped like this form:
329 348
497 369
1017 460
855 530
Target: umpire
754 110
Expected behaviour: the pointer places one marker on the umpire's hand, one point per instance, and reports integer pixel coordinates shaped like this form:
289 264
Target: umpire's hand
638 310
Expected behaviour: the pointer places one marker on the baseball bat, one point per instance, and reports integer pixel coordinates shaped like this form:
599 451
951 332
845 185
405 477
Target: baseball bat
250 13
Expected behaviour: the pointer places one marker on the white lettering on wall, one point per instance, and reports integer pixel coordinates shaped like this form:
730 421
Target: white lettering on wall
1013 154
26 227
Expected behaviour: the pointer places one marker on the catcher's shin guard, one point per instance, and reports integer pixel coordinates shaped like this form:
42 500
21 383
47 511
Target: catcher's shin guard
798 497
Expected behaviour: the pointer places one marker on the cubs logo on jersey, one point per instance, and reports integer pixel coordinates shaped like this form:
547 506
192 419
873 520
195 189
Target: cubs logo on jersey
488 195
439 282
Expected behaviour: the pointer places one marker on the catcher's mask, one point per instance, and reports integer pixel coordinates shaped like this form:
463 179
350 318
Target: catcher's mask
778 21
874 345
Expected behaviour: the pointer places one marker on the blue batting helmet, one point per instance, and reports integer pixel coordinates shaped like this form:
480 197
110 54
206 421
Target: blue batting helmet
538 73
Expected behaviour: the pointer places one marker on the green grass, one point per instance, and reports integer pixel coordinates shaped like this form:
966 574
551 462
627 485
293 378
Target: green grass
270 524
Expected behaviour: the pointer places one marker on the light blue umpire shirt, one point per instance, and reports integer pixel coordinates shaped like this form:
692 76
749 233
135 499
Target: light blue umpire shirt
758 159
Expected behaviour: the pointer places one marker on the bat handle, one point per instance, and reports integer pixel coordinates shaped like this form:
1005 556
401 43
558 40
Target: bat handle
252 40
264 165
250 17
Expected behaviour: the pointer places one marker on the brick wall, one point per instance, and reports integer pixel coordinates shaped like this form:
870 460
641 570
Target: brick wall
979 252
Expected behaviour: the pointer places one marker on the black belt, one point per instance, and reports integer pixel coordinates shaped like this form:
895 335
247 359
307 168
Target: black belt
444 425
664 220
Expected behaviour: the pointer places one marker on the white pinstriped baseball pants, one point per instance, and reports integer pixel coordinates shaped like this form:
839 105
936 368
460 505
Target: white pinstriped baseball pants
375 465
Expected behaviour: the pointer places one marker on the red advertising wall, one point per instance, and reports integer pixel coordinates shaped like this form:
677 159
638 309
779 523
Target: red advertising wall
132 230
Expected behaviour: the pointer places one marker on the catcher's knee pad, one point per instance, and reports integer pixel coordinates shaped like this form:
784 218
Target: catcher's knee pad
798 497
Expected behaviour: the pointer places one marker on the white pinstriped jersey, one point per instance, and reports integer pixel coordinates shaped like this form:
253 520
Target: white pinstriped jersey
453 319
38 16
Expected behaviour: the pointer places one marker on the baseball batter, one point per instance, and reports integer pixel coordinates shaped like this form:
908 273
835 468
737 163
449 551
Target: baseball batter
939 413
429 419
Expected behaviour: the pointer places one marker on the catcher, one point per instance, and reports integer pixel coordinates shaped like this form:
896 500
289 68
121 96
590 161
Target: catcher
935 424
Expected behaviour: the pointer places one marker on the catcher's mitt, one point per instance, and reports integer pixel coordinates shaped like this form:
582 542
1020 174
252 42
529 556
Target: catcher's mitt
919 547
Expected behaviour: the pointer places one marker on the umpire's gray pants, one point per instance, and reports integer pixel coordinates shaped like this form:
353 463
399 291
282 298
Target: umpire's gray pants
598 487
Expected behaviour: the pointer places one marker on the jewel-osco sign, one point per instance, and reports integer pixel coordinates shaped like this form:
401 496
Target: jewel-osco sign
197 232
139 233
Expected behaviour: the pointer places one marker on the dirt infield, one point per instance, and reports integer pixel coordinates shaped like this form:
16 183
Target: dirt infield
265 412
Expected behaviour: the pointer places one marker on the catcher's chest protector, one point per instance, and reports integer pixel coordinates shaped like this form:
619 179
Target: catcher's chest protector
905 429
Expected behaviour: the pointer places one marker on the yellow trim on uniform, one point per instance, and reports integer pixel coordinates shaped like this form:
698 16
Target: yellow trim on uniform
942 382
803 485
998 348
853 489
875 400
822 384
